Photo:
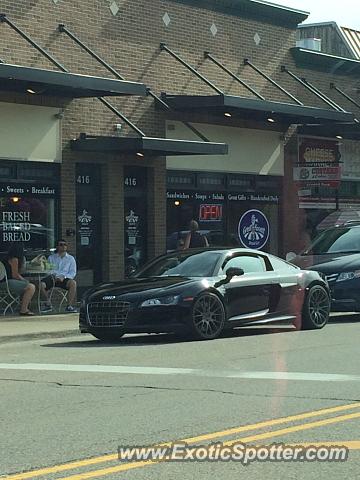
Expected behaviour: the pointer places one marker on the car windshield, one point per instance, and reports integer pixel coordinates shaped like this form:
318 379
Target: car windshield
188 264
336 240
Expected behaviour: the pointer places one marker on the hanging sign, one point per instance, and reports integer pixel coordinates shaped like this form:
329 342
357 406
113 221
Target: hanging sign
318 163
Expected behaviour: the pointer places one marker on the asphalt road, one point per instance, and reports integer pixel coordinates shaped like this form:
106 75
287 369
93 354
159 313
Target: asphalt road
68 404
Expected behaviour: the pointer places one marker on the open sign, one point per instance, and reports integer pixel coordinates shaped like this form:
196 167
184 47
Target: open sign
210 213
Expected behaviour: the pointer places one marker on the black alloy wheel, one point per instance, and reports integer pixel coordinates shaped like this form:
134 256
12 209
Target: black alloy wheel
316 308
207 317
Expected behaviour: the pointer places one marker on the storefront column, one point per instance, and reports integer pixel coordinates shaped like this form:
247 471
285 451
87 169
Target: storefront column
157 208
292 215
68 203
113 221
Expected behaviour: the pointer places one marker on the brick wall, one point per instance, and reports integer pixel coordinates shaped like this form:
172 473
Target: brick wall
130 43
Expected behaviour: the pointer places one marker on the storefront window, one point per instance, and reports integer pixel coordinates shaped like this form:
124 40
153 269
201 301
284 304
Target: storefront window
219 208
28 220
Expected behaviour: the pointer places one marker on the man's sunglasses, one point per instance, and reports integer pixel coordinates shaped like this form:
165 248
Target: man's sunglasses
62 244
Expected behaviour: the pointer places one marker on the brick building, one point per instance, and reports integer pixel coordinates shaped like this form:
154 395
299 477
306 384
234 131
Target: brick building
121 177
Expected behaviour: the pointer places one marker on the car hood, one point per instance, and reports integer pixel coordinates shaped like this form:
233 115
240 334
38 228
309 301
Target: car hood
329 263
141 286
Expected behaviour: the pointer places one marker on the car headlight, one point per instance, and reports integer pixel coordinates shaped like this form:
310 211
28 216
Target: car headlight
153 302
348 276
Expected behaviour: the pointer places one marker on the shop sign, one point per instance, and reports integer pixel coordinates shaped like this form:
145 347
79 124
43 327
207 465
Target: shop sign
253 229
25 189
195 196
132 227
318 173
350 156
252 197
15 226
219 197
318 163
85 231
210 213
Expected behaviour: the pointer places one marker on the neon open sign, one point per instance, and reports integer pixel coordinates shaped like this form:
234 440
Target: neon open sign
210 213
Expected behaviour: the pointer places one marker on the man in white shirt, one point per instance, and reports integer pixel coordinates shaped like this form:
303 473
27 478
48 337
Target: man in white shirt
62 276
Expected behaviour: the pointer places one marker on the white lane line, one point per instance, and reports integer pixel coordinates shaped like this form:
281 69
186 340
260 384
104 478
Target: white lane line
127 369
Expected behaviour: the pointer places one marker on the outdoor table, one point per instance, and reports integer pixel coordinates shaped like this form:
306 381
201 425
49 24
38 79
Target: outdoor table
38 274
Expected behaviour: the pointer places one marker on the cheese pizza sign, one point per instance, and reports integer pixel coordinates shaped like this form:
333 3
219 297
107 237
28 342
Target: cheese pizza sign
318 163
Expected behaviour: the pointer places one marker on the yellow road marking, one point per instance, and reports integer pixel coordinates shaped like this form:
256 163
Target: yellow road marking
130 466
191 440
350 444
295 428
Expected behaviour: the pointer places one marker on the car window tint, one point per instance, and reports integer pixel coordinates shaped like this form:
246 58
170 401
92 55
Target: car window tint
281 266
249 263
336 240
186 264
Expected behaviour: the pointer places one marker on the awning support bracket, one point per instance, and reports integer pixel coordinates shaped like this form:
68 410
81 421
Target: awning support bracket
122 116
63 29
304 84
269 79
232 74
340 109
3 18
164 47
344 94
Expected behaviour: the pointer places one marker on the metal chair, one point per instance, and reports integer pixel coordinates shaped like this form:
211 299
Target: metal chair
60 293
6 297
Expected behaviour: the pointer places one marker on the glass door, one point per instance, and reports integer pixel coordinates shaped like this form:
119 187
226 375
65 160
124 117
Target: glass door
88 224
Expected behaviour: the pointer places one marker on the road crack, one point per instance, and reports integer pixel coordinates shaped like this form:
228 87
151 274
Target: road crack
176 389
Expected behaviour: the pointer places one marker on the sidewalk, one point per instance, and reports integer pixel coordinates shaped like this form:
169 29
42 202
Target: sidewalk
13 328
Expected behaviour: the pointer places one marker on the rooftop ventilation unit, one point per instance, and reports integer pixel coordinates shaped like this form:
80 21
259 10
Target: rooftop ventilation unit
310 44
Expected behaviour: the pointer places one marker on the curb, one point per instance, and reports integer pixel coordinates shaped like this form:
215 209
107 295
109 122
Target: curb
38 335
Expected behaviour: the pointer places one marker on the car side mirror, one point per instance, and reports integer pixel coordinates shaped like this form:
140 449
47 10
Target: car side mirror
290 256
234 272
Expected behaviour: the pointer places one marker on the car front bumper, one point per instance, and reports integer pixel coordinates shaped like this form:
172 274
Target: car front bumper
157 319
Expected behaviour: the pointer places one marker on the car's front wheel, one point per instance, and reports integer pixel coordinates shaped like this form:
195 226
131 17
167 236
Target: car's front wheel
207 317
316 308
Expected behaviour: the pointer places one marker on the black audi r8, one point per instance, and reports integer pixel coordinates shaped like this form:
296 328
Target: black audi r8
204 291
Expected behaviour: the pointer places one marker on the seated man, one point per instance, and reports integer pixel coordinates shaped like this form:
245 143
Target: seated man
62 276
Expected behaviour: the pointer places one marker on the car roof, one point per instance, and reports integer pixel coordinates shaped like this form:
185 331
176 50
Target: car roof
220 250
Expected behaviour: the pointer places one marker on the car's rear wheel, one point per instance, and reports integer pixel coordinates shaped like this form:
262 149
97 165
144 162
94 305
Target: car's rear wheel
207 317
109 337
316 308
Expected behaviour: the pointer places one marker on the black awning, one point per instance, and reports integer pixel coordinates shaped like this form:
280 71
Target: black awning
325 61
347 131
143 146
255 109
61 84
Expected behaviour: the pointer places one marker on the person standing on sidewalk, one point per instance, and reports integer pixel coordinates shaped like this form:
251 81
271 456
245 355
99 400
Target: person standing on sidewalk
62 276
14 264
